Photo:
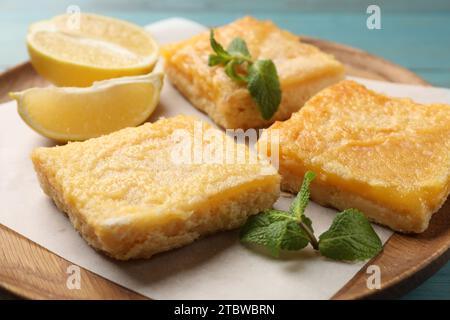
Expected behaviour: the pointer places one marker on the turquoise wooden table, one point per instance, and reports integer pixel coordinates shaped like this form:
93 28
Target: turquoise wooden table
414 34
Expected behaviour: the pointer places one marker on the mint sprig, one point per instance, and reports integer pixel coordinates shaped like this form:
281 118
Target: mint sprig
261 76
349 238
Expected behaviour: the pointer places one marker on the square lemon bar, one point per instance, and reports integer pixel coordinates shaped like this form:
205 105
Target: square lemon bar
129 195
303 71
388 157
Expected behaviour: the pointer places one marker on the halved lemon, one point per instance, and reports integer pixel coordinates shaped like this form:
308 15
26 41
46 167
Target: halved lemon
69 114
77 50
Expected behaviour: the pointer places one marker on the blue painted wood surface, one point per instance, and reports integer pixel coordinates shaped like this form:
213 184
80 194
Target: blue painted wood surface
414 34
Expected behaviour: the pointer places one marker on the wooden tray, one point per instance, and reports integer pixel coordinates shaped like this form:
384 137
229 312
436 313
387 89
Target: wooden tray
30 271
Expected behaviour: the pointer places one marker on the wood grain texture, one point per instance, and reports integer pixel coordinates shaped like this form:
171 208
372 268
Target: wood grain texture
362 64
406 261
31 271
19 78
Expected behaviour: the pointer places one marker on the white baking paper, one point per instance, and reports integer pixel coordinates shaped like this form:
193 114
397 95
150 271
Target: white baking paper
217 267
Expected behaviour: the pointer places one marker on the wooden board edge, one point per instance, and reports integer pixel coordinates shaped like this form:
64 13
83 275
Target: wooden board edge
33 264
435 239
384 69
397 286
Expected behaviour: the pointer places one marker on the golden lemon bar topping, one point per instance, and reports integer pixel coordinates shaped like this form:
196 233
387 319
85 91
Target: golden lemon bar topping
303 70
389 157
130 196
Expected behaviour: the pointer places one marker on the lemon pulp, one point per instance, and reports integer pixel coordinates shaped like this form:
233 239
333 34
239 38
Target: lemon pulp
77 53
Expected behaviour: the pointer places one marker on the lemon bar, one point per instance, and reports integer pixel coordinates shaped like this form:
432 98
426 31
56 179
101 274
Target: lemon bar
388 157
303 70
130 195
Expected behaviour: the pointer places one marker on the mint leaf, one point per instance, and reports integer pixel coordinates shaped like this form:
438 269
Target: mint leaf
238 49
301 200
261 75
217 47
214 60
264 87
350 238
298 206
275 230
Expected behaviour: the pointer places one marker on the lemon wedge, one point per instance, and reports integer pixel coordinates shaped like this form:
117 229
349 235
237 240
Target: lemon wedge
76 114
78 50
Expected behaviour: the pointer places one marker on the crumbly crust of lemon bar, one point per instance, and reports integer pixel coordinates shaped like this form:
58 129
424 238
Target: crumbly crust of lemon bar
128 199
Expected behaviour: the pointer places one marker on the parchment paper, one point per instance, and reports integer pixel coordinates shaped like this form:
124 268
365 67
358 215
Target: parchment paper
217 267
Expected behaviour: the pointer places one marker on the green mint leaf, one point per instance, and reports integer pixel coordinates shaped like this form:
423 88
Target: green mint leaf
261 76
214 60
298 206
230 70
350 238
264 87
217 47
275 230
300 202
238 49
